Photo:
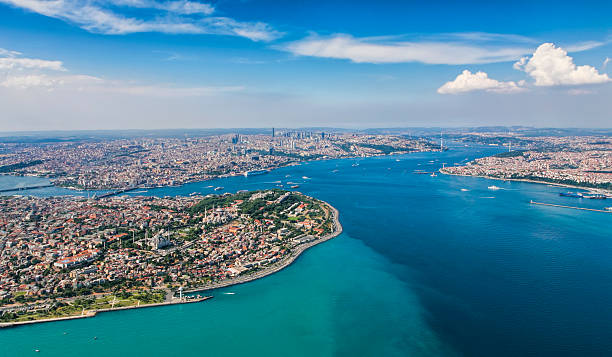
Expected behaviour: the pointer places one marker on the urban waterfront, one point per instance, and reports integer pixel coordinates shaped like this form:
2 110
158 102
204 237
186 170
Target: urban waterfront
422 268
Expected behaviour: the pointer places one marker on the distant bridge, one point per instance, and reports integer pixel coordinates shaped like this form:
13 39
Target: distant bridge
25 188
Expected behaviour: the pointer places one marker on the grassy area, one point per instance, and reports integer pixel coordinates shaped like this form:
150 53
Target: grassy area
76 307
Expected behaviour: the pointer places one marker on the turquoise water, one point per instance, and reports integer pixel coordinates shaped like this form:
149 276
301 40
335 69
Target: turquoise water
422 269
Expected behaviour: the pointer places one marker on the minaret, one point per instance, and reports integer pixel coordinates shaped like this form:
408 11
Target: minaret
441 147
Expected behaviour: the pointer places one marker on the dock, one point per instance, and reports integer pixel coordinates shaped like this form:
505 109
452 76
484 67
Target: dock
572 207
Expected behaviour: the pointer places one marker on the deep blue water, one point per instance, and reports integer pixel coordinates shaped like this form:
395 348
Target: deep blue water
422 269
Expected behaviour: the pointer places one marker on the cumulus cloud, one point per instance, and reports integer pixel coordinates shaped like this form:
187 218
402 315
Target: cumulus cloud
551 66
479 81
381 50
178 17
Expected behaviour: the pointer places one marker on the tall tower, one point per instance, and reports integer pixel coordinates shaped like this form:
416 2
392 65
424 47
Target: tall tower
272 132
441 147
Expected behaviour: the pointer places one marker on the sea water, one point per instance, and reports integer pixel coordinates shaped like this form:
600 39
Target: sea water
423 268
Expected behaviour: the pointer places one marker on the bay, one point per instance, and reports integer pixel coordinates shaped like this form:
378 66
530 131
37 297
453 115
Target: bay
423 268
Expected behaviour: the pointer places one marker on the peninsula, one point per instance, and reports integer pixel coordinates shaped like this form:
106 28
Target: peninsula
67 257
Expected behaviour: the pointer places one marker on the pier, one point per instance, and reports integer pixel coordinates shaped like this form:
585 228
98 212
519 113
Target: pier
25 188
572 207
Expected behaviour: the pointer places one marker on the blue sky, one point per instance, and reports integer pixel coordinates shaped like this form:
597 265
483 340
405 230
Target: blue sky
160 64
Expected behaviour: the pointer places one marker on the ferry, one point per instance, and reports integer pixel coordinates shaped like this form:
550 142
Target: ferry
255 173
608 209
218 188
493 187
571 194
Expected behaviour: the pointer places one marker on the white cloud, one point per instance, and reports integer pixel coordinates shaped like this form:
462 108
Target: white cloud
375 50
179 7
551 66
8 63
94 85
32 74
102 17
8 53
479 81
605 63
29 81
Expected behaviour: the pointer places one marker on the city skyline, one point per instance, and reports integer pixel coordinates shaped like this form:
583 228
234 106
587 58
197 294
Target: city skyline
145 64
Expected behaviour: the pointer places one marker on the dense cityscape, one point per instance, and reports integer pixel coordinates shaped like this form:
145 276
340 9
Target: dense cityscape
582 161
60 256
152 162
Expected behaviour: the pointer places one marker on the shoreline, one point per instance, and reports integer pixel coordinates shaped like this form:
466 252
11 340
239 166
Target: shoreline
279 265
225 283
590 189
114 191
94 313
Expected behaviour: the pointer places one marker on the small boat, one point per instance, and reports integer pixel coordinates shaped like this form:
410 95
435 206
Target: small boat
464 190
230 293
295 186
433 174
355 164
493 188
306 177
209 186
218 188
194 194
608 209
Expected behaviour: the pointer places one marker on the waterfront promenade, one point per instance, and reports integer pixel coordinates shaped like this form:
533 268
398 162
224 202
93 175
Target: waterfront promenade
93 313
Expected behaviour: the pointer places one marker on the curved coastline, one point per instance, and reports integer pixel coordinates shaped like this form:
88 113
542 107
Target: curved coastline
590 189
221 284
279 265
